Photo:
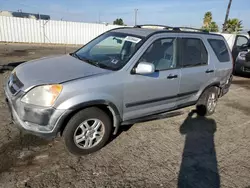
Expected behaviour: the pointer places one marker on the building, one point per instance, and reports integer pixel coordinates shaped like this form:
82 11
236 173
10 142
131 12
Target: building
20 14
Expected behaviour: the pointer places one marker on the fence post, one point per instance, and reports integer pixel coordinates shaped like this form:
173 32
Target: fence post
65 38
43 32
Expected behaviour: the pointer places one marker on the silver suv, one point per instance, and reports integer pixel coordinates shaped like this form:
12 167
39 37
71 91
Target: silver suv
118 78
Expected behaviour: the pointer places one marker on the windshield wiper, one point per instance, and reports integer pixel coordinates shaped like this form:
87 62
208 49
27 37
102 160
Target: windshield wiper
105 66
84 59
95 63
92 62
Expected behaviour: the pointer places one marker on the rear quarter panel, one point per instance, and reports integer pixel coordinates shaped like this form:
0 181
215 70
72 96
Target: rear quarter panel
223 70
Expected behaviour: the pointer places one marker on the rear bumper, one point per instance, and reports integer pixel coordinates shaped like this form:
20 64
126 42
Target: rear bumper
225 87
45 123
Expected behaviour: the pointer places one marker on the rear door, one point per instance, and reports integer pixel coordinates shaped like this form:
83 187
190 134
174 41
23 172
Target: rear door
221 58
197 71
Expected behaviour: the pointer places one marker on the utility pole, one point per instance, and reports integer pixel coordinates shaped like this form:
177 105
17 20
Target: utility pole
99 17
136 10
227 14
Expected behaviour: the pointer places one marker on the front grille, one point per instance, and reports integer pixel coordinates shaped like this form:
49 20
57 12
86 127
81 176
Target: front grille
246 69
14 84
248 57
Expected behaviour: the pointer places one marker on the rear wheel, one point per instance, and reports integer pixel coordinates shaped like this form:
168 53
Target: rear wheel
207 102
87 131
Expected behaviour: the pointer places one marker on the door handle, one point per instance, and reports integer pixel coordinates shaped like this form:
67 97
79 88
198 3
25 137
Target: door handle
209 71
172 76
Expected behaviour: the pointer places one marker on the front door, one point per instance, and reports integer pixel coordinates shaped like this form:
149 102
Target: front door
154 93
237 48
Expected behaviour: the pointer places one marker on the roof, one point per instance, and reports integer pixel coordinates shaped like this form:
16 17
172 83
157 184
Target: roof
136 31
145 32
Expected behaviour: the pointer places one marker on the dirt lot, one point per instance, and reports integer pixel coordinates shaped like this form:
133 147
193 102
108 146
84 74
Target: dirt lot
182 151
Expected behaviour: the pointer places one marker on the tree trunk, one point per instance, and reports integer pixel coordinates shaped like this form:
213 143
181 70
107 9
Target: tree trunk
227 14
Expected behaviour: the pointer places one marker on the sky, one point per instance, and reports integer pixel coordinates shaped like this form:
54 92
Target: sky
165 12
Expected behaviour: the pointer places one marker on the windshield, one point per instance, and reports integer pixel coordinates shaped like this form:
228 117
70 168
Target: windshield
111 50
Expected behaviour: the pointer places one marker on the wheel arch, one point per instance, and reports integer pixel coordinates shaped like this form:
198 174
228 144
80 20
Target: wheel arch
107 106
214 84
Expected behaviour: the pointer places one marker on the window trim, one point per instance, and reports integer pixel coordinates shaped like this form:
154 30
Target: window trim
177 57
210 39
181 52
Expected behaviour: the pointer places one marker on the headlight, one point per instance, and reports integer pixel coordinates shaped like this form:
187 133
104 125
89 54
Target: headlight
242 55
43 95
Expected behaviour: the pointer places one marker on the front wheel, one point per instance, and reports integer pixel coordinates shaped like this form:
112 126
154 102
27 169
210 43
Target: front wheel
87 131
207 102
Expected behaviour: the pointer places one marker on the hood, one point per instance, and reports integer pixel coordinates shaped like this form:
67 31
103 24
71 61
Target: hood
56 69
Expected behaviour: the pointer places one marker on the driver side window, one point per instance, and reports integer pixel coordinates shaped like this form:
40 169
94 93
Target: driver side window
162 53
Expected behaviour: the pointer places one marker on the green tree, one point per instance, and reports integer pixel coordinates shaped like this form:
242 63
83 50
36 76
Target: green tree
118 21
214 27
233 25
207 19
209 24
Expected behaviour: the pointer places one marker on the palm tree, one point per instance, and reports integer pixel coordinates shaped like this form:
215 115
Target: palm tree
214 27
207 19
234 25
208 23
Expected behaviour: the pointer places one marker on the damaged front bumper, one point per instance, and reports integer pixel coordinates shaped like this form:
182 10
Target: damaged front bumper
43 122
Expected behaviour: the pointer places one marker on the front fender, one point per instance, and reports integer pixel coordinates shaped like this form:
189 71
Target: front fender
82 101
89 99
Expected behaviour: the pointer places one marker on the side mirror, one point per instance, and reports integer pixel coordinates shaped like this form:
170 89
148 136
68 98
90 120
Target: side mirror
145 68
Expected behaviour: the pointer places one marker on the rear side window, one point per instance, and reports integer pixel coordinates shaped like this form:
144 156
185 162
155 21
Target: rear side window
194 52
220 49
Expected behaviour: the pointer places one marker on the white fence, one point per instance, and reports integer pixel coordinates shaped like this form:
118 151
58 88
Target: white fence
26 30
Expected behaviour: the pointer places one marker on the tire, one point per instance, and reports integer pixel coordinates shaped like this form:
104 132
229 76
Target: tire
77 130
202 107
235 73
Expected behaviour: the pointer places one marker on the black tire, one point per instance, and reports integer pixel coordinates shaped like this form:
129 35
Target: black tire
202 107
76 120
235 73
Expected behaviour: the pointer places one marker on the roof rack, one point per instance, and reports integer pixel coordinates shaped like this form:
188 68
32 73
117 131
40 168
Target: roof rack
190 28
172 28
153 25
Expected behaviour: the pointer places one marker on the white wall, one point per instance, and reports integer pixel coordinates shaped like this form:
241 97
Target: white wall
26 30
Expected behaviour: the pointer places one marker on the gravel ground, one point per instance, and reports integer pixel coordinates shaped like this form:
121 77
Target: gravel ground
183 151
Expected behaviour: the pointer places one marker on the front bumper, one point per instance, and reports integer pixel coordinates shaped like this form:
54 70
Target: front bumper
43 122
242 67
